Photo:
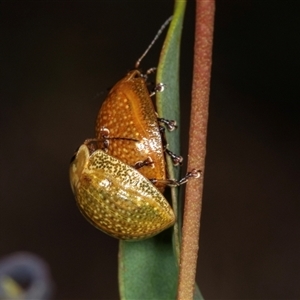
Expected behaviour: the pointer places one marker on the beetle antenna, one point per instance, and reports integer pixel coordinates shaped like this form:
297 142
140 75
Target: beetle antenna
161 29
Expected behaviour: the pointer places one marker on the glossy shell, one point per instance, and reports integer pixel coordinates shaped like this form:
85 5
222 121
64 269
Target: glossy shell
128 113
116 198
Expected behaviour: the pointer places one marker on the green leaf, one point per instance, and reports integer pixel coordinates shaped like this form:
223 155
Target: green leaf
168 105
148 269
197 294
168 102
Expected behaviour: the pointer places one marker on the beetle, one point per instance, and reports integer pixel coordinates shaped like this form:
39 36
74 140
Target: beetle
117 198
128 113
128 126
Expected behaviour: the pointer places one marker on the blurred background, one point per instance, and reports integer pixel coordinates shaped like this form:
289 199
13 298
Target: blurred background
58 59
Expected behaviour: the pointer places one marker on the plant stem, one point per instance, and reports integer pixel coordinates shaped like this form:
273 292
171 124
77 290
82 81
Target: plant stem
197 146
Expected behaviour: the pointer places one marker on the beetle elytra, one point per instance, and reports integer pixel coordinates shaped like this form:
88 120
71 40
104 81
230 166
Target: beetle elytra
116 198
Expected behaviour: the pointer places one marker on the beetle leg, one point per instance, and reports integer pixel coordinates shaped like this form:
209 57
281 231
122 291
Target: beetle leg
177 159
171 124
173 183
147 162
159 88
151 70
104 133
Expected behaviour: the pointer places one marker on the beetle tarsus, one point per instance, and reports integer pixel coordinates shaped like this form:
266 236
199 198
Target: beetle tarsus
177 159
151 70
158 89
171 124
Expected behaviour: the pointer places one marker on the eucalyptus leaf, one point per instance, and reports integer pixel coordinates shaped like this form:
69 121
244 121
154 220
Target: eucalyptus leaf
148 269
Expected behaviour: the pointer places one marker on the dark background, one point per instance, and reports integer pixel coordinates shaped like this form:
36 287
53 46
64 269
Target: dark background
57 61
